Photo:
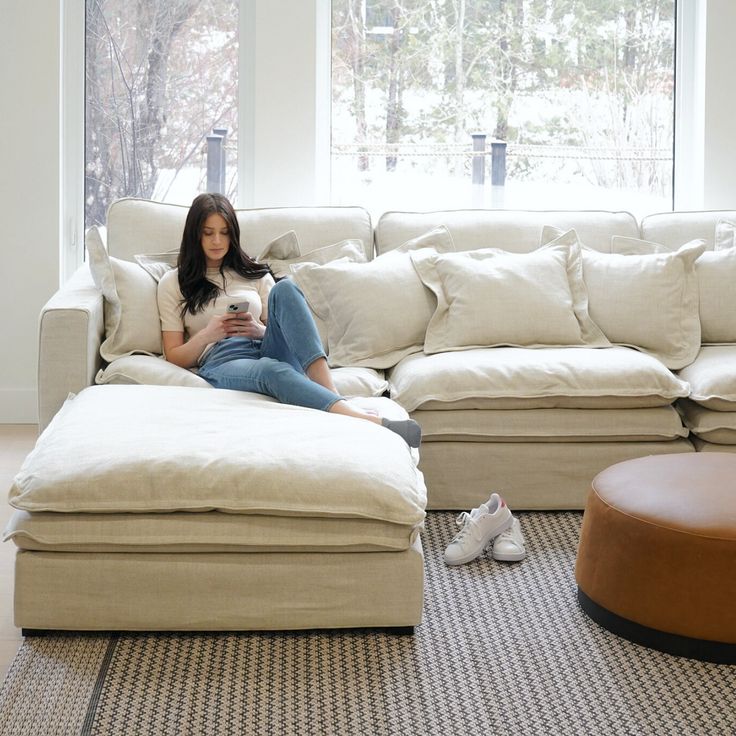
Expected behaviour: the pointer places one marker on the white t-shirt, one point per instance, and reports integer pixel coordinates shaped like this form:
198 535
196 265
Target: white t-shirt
233 288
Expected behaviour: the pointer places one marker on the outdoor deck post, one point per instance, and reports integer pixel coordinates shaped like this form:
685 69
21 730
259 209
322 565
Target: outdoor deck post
498 163
479 158
214 163
223 157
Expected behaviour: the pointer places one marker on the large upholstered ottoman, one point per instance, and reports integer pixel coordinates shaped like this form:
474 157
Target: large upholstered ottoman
172 508
657 556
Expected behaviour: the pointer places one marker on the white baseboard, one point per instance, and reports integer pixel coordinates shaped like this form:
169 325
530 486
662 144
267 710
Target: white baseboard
18 406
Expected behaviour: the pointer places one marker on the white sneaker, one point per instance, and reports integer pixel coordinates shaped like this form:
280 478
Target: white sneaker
479 527
509 545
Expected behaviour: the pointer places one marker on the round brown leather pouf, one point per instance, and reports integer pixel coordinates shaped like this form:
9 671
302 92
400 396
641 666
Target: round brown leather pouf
657 556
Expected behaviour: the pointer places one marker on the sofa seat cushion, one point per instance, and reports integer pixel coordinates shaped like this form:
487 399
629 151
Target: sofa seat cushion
526 378
551 425
143 449
183 532
712 377
150 370
713 426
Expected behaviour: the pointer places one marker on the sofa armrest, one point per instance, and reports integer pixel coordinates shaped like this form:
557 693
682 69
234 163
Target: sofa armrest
71 329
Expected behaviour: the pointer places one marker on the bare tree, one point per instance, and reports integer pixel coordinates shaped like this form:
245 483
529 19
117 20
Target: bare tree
135 123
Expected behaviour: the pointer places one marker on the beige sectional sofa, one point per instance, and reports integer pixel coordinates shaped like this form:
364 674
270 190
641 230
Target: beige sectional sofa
534 348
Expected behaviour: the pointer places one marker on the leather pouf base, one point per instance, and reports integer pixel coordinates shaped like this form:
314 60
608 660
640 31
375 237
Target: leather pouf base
681 646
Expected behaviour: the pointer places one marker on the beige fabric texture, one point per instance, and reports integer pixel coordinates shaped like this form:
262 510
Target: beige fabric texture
623 288
377 312
208 532
352 250
716 274
517 231
672 229
636 246
283 247
615 377
157 264
131 311
713 426
142 454
703 446
489 297
716 271
550 425
148 370
71 329
154 371
137 226
712 377
725 236
359 381
544 475
215 592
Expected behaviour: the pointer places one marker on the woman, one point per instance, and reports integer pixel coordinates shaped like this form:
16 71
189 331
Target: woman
273 348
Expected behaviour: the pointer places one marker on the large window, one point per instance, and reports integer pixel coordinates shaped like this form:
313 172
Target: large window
161 118
503 103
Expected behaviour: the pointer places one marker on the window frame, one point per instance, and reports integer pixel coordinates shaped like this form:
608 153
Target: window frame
275 169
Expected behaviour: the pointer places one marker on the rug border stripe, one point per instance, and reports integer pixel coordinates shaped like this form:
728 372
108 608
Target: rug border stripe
94 699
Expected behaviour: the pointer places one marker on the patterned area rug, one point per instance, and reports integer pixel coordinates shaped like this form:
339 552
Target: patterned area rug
503 649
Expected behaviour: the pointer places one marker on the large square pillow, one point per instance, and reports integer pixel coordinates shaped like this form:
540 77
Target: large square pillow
490 297
647 299
132 323
376 312
716 273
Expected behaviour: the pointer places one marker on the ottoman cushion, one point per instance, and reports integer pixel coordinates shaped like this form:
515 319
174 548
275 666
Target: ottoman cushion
167 448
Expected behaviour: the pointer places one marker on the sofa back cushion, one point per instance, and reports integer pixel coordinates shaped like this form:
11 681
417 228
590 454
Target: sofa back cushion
137 226
675 228
513 230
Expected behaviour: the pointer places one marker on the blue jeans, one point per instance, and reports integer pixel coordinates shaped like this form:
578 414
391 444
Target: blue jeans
276 365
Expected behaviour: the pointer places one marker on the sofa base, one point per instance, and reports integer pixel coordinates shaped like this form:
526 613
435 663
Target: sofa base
36 633
218 592
530 475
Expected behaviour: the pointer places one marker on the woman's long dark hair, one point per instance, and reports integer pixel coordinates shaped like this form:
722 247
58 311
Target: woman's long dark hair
196 289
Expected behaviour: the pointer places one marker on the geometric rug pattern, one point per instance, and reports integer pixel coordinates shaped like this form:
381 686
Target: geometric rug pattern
503 649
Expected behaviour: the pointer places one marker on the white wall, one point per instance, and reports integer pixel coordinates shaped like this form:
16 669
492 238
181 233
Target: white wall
285 99
719 144
29 192
285 137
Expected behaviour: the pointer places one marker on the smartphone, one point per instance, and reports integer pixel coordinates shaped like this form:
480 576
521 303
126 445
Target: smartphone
237 308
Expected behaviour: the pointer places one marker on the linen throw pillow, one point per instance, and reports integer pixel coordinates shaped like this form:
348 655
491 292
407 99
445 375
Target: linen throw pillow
490 297
157 264
716 274
351 249
281 248
132 322
647 300
376 312
725 237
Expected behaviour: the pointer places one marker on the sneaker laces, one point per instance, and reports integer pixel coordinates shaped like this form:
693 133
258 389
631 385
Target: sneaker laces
466 521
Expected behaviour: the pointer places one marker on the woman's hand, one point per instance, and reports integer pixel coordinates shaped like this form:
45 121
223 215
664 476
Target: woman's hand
243 324
217 328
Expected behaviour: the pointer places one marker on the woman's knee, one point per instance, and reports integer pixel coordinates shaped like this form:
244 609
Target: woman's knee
285 289
274 371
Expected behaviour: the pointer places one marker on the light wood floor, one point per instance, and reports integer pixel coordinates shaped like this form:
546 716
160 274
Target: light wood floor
16 441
